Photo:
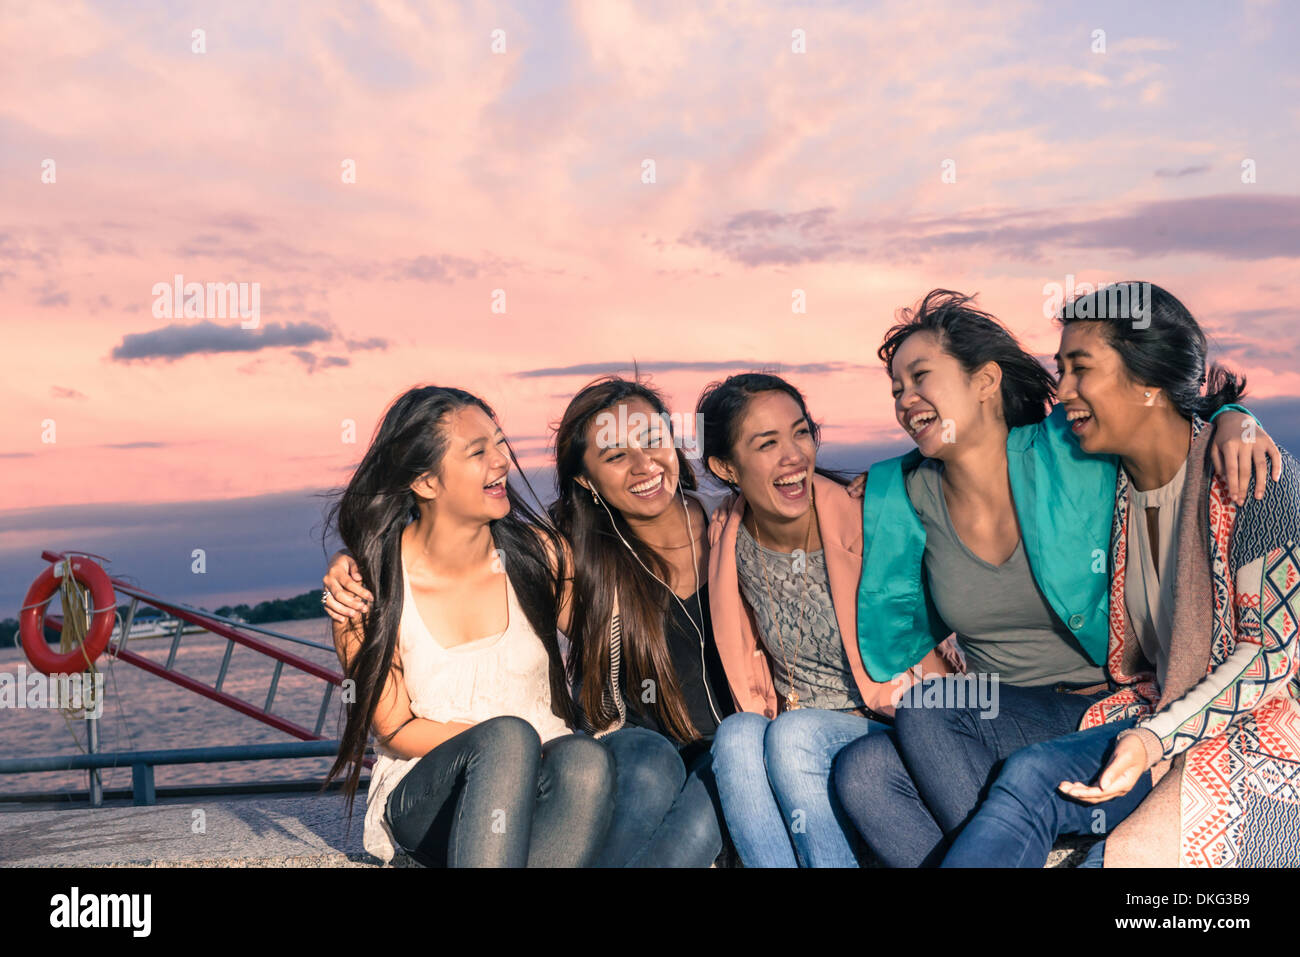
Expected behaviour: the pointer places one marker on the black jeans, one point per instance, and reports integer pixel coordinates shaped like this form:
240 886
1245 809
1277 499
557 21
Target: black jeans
495 796
909 792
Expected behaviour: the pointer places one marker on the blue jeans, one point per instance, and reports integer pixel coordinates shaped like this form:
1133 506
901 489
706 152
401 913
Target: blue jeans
1024 813
910 792
665 814
774 782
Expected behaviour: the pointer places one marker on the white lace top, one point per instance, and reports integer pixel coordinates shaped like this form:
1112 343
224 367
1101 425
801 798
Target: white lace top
507 673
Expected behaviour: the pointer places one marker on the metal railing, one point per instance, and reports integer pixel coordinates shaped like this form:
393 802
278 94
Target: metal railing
235 632
142 763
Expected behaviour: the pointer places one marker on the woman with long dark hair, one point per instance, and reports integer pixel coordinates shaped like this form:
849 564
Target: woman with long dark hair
649 681
783 573
994 528
455 661
1204 621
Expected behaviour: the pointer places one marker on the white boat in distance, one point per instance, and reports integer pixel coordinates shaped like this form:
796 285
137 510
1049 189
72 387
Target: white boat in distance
159 627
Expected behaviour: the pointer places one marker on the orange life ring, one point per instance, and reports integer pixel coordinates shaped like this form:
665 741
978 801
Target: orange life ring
31 621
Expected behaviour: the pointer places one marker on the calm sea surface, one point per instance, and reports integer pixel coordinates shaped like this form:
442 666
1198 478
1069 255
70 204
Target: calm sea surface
144 711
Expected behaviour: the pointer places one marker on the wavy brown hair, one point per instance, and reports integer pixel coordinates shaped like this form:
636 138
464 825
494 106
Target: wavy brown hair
602 562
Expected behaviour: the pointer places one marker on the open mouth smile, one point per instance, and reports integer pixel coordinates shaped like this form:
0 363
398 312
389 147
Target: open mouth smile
793 485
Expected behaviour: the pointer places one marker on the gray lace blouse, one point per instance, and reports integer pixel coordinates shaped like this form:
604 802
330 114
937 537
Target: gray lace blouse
822 676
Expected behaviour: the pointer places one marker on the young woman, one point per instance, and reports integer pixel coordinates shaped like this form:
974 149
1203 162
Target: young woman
995 527
455 660
650 682
1203 625
786 556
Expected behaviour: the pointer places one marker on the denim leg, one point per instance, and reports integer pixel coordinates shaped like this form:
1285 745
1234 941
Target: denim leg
799 749
881 799
753 817
575 800
469 801
649 775
1024 813
953 754
1096 855
691 833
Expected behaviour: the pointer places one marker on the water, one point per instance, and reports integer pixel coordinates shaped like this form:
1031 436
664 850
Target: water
144 711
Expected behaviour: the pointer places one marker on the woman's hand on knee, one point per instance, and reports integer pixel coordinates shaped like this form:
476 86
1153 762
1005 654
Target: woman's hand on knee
1127 764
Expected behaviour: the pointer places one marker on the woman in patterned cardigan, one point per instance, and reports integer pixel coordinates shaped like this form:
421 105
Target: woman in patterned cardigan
1195 759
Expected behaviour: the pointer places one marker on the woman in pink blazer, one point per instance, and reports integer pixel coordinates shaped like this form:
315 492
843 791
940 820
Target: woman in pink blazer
785 558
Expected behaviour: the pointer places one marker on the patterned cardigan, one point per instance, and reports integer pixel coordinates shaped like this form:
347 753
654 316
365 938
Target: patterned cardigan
1228 717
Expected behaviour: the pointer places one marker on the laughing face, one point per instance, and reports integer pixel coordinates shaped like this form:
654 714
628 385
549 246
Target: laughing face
630 459
1105 407
935 400
471 482
773 458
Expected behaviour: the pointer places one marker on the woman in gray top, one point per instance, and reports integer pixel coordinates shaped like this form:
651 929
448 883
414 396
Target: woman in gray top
961 382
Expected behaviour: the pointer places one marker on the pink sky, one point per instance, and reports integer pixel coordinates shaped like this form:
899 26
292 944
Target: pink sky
521 171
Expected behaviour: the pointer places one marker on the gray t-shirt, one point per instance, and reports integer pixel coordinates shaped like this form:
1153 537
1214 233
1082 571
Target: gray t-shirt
822 677
1004 623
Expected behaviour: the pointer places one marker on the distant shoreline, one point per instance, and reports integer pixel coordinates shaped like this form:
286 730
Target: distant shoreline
298 608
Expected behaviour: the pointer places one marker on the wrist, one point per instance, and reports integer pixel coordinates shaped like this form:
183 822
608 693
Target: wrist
1151 744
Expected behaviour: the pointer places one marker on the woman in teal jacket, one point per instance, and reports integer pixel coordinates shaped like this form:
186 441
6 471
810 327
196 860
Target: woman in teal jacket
996 527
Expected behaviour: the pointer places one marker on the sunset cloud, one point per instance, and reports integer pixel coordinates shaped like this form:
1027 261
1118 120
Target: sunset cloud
206 338
502 231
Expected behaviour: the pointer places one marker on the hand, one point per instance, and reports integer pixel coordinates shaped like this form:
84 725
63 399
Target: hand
858 487
345 597
1127 765
1239 443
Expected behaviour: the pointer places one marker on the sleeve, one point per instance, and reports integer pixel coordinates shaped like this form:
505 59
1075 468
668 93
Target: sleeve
1235 408
1263 663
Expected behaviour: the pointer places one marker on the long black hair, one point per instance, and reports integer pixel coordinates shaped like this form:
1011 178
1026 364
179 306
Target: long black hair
1159 343
722 405
371 513
601 562
973 337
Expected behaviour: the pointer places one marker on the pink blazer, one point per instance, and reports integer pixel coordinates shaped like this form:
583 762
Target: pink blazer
839 521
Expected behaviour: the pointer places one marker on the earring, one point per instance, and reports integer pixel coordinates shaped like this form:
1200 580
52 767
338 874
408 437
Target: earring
595 496
1147 394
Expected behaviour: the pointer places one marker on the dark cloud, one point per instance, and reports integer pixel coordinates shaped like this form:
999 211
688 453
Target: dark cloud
206 337
237 222
136 445
442 268
726 365
59 392
1183 171
314 362
16 455
374 342
1230 226
49 294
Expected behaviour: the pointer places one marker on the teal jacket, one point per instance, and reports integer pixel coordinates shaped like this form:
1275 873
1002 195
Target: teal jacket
1064 499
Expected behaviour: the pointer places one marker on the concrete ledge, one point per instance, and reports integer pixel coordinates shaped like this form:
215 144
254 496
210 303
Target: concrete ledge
293 831
290 831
